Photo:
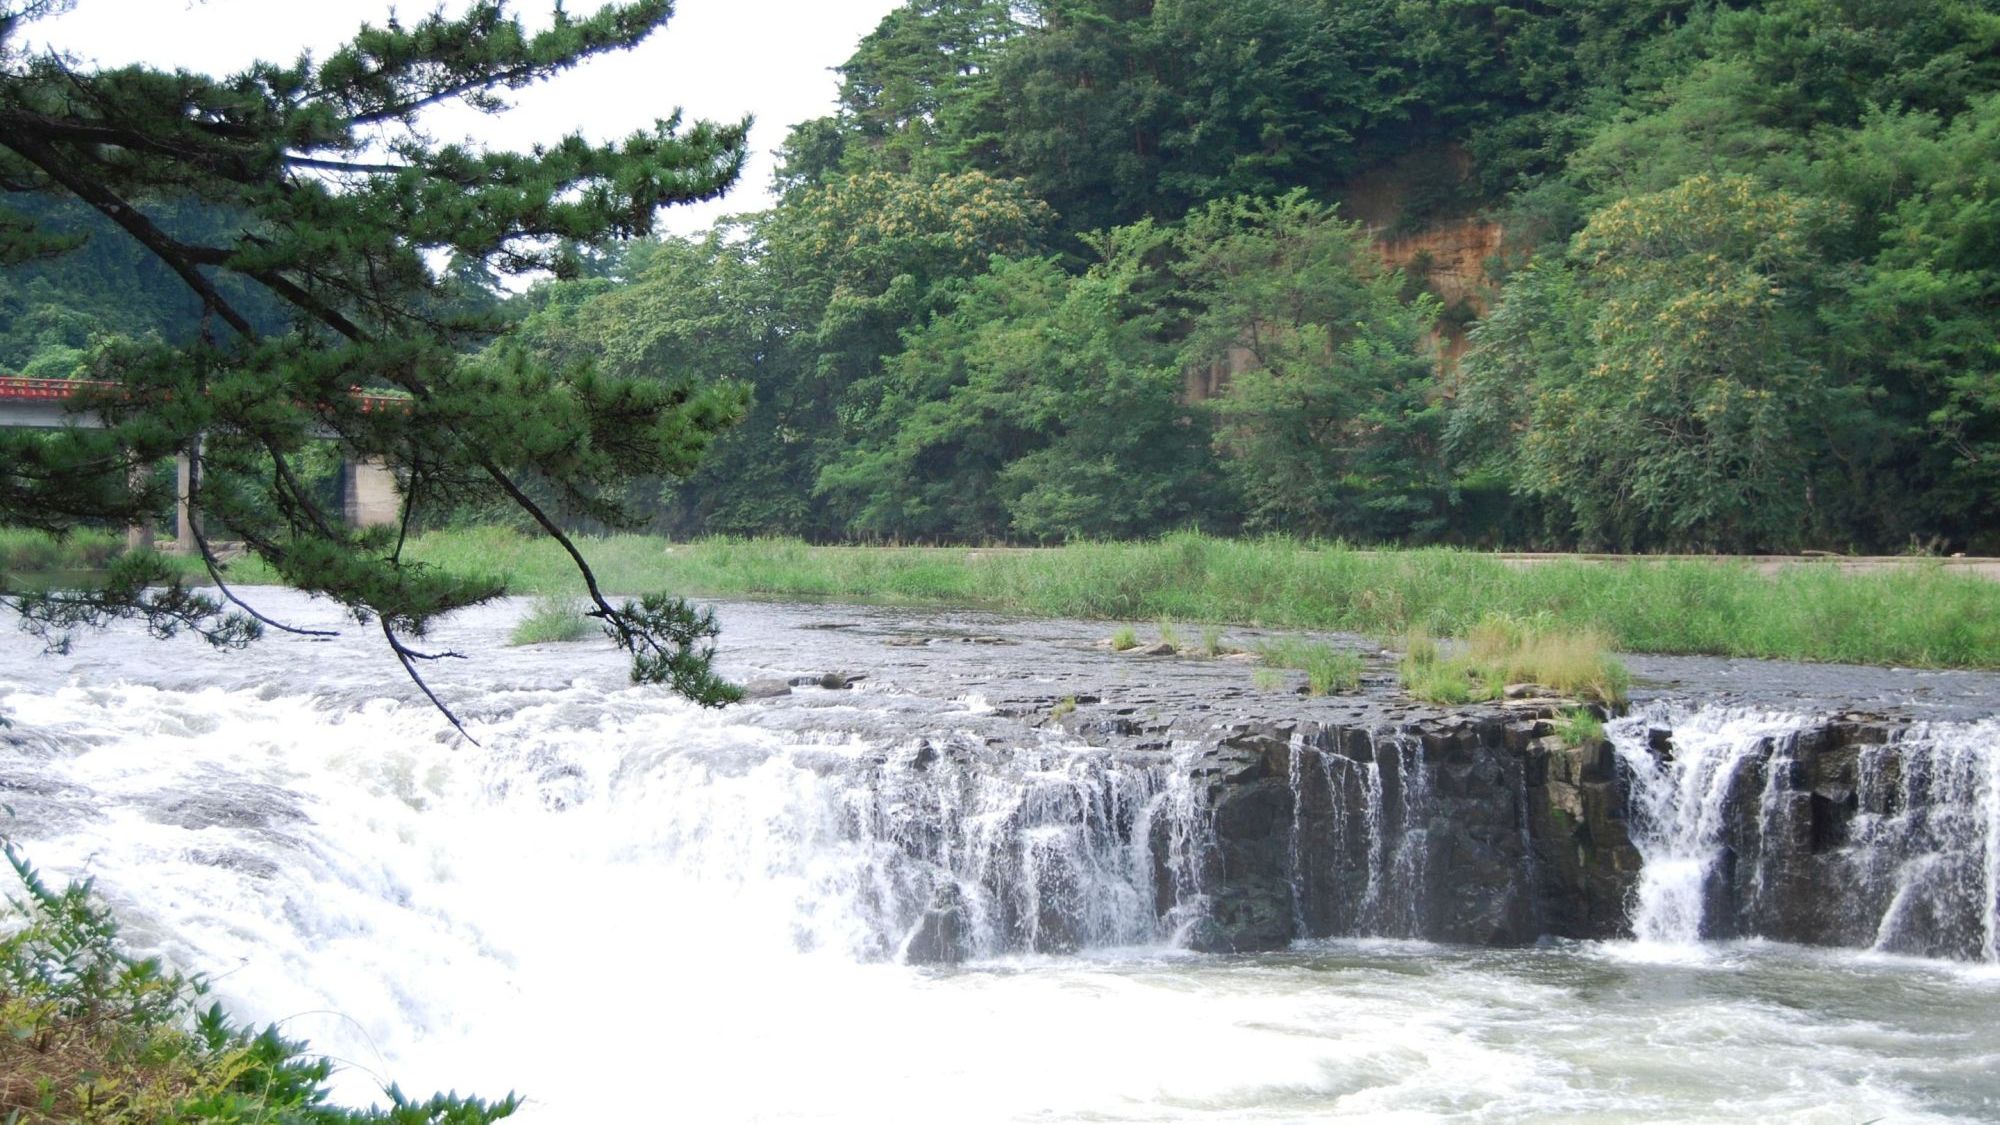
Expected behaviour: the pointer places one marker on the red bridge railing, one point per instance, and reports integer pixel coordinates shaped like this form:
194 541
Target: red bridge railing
16 388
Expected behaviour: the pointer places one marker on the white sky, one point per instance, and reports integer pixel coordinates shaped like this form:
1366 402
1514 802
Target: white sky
716 59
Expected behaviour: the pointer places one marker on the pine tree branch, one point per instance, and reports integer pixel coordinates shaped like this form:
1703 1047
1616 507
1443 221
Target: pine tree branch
214 567
402 111
408 658
555 531
324 165
134 222
232 165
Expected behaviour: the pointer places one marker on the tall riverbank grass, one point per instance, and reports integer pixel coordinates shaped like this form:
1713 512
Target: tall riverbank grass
1916 615
1919 615
32 552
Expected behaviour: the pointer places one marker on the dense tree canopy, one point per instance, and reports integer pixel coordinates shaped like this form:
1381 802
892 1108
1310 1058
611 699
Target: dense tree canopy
324 202
1057 269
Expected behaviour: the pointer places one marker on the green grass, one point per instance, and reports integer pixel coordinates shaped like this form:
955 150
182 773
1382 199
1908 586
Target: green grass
1499 651
31 552
1922 616
554 618
1917 616
1328 670
1212 645
1124 638
1579 726
1171 636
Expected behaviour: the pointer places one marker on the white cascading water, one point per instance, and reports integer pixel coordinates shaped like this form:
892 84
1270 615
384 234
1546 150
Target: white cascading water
406 901
1923 847
629 909
1930 828
1677 809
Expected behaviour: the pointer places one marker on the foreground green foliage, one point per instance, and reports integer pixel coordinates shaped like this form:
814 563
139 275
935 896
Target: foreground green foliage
1920 615
88 1034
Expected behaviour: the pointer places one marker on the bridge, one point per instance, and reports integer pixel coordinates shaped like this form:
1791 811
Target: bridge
368 485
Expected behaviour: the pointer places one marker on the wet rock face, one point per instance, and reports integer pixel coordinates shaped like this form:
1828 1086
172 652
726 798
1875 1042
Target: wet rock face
1463 828
942 935
1370 814
1244 873
1859 833
1482 828
1583 855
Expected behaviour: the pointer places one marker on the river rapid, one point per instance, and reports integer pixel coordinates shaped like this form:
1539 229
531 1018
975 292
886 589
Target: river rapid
626 908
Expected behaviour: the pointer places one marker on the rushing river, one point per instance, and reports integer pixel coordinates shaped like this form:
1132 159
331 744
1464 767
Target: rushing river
628 909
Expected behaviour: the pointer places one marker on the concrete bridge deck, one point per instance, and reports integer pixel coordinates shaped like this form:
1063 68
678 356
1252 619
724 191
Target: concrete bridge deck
370 496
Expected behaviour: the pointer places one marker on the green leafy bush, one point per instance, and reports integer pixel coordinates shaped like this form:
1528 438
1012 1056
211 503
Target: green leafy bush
88 1033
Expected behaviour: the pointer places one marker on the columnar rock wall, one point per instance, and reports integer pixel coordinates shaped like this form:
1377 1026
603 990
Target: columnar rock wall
1487 829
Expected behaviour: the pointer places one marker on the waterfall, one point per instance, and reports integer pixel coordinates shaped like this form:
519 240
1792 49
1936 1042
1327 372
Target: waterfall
1743 831
834 843
617 896
1927 837
1359 836
1680 806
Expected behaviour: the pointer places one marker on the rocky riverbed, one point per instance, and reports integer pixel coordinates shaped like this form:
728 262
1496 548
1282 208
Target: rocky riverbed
950 856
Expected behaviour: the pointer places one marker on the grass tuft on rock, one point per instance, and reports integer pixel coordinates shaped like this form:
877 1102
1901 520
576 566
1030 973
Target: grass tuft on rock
553 619
1501 651
1328 670
1578 726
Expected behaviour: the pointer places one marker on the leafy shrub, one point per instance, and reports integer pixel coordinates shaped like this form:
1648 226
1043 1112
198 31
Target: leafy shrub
90 1034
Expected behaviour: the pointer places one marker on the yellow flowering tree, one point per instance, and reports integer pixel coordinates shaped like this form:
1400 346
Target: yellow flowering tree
1688 419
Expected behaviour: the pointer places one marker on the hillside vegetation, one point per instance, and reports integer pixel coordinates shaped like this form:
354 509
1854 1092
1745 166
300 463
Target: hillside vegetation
1069 269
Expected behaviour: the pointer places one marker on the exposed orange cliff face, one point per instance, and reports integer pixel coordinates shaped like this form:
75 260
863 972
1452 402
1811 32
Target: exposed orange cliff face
1450 254
1451 258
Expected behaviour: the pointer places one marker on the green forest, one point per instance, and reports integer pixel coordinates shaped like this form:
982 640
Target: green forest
1606 274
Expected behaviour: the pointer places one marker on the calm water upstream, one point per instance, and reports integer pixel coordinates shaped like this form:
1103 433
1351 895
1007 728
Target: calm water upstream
628 909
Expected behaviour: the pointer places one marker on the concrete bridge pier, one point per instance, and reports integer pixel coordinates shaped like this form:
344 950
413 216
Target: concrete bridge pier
140 536
184 525
369 494
369 498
